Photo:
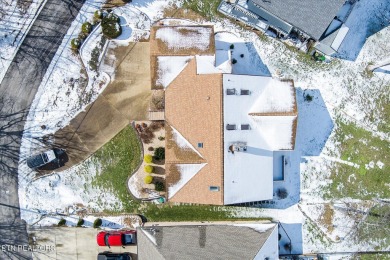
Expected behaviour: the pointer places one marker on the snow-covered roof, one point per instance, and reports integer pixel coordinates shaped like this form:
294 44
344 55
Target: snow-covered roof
169 67
262 110
209 64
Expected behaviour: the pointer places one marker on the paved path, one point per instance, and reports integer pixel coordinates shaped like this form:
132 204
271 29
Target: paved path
17 91
70 243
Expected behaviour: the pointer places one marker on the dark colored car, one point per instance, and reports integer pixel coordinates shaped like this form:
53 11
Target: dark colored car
113 256
53 156
116 238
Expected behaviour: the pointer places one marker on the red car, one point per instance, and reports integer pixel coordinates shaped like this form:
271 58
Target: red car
116 238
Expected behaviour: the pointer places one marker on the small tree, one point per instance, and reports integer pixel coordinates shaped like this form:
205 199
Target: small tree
159 186
148 168
151 148
97 223
98 14
75 43
234 61
61 223
232 46
80 222
110 26
159 153
148 179
242 55
86 27
148 158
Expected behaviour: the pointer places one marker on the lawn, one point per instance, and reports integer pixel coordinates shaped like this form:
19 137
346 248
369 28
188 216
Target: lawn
206 8
378 223
118 159
371 179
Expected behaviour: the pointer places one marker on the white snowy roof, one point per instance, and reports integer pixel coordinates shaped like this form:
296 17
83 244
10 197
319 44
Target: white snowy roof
209 64
340 37
169 67
270 111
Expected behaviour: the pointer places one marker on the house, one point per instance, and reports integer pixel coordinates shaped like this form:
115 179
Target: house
222 130
322 21
223 241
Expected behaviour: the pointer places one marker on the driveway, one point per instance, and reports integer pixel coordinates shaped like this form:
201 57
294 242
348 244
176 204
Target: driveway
125 99
69 243
17 91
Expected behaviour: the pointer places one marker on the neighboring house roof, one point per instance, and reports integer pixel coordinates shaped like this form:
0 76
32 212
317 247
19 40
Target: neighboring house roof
261 114
240 241
193 112
310 16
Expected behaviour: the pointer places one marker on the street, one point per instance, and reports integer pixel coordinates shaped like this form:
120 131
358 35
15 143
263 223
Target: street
17 91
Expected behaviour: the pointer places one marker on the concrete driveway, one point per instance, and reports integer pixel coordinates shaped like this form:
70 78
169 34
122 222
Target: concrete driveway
69 243
125 99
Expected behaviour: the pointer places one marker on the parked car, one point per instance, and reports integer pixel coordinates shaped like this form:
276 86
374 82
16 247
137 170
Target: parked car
116 238
113 256
53 156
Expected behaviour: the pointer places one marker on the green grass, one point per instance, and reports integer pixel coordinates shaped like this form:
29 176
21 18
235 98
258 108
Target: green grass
118 158
206 8
376 227
359 146
191 213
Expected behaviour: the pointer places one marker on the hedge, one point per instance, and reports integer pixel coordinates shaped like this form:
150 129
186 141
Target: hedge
148 158
148 179
148 168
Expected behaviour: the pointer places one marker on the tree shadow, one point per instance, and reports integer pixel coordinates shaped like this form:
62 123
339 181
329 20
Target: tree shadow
366 19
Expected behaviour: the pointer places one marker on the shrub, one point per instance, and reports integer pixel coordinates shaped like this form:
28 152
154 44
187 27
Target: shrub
61 223
148 168
161 138
148 179
75 43
97 223
148 158
282 193
159 186
110 26
151 148
308 98
98 14
144 125
232 46
234 61
242 55
159 153
86 27
80 222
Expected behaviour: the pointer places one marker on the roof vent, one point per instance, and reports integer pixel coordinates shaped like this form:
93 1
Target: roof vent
231 91
230 127
245 127
245 92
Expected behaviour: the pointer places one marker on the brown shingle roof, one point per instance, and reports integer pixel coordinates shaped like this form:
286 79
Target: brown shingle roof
193 106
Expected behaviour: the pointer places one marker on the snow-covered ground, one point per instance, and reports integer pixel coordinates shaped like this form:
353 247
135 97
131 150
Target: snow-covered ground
68 86
340 90
16 18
